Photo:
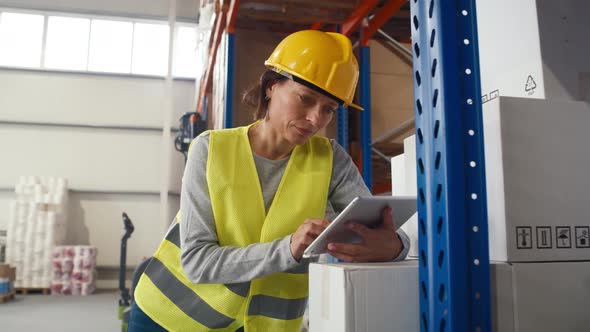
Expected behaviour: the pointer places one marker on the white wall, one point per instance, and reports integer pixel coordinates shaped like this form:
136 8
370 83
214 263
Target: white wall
95 160
84 127
105 100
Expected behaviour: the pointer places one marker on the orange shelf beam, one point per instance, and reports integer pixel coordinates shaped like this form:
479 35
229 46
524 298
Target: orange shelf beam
213 46
358 15
317 25
383 15
232 13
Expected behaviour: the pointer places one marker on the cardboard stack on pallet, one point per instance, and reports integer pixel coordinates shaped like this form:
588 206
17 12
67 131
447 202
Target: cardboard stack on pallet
36 224
7 277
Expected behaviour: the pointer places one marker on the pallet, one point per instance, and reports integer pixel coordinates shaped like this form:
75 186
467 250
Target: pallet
7 297
27 291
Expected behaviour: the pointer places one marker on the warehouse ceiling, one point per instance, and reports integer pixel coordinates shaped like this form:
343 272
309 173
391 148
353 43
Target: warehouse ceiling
292 15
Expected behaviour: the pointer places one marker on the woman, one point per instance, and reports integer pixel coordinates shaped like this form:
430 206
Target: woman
253 198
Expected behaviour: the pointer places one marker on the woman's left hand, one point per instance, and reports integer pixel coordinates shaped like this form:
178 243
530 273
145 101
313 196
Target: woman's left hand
381 244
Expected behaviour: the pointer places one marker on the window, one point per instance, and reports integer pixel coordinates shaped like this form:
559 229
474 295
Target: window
150 49
67 43
75 42
186 63
110 46
21 39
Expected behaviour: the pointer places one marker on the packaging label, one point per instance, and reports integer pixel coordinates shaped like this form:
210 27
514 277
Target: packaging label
552 237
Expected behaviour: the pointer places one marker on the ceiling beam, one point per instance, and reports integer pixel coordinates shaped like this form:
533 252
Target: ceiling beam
331 4
297 15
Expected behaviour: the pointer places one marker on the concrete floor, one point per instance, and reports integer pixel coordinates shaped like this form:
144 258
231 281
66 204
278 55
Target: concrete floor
47 313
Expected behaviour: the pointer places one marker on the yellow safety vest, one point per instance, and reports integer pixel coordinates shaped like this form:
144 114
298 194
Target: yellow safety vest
273 303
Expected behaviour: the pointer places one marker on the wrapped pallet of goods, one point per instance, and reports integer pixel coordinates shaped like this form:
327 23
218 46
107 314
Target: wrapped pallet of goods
36 225
74 270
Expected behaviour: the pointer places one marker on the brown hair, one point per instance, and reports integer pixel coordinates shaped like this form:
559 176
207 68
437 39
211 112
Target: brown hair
255 95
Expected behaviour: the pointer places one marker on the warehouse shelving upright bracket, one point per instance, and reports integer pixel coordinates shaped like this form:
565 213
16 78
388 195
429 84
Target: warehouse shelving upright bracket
231 58
224 22
452 214
365 96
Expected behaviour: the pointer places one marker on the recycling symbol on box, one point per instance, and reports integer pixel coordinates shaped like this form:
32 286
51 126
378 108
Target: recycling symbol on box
530 85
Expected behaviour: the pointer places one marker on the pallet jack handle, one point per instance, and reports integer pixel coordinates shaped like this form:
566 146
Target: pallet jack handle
125 296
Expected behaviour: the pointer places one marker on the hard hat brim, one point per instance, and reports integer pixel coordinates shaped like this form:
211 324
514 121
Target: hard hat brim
299 79
356 106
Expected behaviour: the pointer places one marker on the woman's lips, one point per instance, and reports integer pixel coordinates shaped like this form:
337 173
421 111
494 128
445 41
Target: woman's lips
304 131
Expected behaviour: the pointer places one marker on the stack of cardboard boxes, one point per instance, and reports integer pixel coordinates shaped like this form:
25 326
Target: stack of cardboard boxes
536 115
7 277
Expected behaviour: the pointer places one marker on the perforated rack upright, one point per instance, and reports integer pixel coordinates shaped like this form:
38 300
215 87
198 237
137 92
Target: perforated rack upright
454 259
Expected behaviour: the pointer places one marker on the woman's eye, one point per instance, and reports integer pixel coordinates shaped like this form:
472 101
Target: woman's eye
330 110
305 99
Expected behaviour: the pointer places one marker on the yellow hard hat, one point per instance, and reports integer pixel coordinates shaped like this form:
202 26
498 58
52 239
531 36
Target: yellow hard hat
324 59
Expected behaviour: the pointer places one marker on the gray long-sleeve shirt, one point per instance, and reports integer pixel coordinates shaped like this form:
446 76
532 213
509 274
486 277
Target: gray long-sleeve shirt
205 261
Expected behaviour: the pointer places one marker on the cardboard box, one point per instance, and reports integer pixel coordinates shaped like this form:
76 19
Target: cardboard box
525 297
398 175
410 159
6 271
563 30
509 66
540 297
364 297
537 160
404 183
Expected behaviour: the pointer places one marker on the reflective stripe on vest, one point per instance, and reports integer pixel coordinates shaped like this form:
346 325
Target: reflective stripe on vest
273 303
238 288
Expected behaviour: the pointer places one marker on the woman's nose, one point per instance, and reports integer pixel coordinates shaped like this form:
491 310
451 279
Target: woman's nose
315 116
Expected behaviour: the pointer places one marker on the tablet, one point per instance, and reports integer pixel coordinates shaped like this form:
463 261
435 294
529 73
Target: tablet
366 210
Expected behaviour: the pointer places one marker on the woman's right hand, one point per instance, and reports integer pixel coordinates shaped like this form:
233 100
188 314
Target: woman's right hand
305 234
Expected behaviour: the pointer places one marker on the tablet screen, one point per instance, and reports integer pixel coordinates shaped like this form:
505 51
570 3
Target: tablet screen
366 210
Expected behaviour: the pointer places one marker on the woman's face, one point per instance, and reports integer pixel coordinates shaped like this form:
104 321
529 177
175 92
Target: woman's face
297 112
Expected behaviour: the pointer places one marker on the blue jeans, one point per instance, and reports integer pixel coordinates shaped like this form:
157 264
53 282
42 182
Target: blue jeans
140 322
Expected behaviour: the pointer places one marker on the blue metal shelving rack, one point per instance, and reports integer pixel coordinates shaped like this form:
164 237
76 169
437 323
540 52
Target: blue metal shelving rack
229 80
454 259
365 96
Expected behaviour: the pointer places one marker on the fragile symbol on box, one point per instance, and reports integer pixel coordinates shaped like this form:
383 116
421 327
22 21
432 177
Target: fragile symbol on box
563 237
524 239
582 240
544 237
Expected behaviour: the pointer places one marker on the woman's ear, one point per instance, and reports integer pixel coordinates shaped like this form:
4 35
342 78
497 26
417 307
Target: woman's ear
269 86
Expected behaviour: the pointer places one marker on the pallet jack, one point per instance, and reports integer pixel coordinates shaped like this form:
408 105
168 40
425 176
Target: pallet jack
125 300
